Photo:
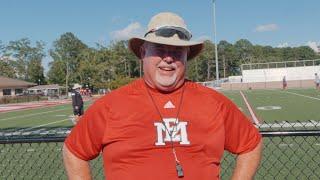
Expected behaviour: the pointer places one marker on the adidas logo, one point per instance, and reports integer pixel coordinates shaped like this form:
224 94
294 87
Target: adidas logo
169 105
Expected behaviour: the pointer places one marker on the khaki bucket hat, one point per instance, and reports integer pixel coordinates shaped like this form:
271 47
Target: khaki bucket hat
169 29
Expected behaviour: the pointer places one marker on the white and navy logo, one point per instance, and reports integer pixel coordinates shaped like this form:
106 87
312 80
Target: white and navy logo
178 129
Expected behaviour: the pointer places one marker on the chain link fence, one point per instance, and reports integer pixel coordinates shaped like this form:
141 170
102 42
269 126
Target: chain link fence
288 154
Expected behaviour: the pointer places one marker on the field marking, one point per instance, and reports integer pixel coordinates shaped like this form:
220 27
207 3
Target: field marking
268 108
26 129
254 117
37 106
5 119
303 95
42 131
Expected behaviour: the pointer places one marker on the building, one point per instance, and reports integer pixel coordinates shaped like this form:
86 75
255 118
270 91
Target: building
46 90
13 87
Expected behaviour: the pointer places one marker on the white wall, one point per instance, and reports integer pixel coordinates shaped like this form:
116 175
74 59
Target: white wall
276 74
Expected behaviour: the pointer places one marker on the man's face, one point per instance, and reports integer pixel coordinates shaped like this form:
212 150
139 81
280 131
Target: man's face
164 66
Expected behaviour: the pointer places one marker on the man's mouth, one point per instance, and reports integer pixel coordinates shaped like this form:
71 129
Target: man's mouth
167 68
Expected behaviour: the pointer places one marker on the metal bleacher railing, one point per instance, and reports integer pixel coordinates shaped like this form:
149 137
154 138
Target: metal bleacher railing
280 64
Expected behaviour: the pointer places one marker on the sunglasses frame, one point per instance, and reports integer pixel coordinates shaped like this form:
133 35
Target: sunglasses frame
169 31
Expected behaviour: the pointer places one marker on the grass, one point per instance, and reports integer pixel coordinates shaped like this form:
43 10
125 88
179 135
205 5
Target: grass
296 104
54 116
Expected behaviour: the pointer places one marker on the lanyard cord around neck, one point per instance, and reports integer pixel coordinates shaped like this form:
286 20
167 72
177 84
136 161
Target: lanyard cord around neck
178 165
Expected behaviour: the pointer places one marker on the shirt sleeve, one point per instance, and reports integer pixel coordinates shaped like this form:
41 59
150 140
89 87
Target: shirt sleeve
241 136
85 139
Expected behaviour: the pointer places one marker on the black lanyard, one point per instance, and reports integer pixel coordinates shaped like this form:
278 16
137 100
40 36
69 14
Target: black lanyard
178 164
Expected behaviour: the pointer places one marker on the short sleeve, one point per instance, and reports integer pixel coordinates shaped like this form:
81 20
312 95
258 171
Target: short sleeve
241 136
85 139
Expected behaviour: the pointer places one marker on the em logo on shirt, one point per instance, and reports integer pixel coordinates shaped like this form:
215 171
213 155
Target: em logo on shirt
179 132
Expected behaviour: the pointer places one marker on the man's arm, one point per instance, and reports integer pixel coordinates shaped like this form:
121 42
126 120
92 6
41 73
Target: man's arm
248 163
76 168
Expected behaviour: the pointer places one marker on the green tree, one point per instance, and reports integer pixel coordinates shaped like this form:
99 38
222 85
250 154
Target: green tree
244 50
35 68
56 73
27 59
228 60
20 51
202 68
6 69
66 51
126 64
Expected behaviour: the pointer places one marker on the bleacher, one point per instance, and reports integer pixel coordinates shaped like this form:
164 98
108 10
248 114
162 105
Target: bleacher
298 74
275 71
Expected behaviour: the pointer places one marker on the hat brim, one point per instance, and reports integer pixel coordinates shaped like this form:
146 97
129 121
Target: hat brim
136 42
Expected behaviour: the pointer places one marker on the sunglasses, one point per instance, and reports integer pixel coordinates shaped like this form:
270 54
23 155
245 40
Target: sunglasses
177 54
169 31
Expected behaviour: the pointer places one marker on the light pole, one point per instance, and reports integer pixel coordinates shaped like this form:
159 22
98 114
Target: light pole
67 76
215 39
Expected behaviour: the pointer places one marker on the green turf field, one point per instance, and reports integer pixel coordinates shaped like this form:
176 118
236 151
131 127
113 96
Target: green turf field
52 116
294 105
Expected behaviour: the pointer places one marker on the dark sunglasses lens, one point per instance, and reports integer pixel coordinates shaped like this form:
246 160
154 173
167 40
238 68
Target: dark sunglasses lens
182 35
165 32
170 33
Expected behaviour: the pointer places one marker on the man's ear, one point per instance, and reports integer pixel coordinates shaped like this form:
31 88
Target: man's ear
142 52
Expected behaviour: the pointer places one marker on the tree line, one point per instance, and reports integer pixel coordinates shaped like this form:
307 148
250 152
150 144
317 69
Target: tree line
114 65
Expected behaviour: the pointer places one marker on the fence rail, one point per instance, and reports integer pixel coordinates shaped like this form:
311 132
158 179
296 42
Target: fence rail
292 154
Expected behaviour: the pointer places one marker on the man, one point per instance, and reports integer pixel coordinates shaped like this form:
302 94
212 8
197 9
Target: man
77 103
163 126
316 81
284 83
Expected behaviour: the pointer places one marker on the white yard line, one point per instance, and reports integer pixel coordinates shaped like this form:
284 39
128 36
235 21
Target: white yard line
254 117
43 125
302 95
5 119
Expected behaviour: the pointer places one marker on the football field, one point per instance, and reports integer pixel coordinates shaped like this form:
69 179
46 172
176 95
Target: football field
280 108
44 120
291 107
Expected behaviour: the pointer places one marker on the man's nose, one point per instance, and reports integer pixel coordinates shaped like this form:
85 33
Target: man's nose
167 57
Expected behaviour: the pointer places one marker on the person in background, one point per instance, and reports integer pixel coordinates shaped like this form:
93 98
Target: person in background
317 81
77 103
284 83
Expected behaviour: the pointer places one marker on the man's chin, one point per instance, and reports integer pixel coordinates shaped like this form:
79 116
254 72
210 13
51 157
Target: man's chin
167 86
166 82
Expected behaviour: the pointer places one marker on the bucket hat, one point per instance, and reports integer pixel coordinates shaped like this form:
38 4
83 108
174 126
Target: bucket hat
169 29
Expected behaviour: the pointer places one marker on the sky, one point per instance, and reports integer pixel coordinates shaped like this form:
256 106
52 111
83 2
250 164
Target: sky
278 23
